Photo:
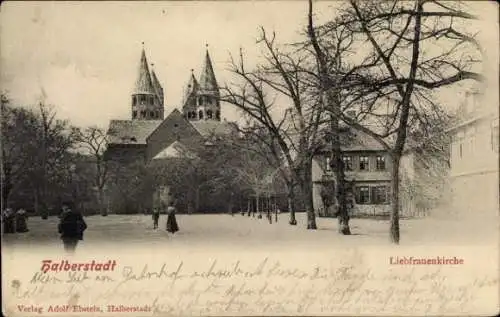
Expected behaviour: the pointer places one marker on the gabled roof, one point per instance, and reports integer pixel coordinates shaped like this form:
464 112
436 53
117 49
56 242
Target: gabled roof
131 131
175 150
211 127
207 78
144 84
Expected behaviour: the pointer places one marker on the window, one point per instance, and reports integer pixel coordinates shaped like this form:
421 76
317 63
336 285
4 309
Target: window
193 114
142 98
379 195
158 114
189 115
134 100
380 163
328 166
143 114
363 163
200 101
134 114
217 115
200 114
209 114
347 163
152 114
495 135
362 195
208 100
151 100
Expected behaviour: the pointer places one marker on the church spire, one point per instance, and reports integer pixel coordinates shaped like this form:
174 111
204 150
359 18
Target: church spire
144 84
156 85
207 79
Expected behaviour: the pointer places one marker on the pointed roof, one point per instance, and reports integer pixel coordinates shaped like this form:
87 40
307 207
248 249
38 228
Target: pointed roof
144 84
156 84
207 78
191 86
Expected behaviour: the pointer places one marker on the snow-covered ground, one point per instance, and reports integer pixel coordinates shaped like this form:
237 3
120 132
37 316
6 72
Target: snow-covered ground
247 232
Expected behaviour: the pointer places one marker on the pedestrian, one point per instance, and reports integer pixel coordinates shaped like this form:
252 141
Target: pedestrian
172 226
21 220
71 227
9 220
156 217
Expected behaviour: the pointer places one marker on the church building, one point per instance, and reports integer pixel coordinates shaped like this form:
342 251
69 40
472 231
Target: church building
150 135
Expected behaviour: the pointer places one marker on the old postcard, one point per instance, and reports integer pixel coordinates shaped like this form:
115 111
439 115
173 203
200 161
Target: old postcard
250 158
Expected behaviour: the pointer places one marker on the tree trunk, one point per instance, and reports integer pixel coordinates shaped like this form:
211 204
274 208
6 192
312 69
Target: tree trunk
307 195
396 158
259 210
342 213
103 209
291 209
197 199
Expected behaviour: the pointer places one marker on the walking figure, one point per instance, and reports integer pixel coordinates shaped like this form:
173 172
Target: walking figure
156 217
172 226
71 227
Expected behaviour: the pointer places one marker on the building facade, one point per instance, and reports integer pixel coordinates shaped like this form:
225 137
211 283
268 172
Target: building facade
474 171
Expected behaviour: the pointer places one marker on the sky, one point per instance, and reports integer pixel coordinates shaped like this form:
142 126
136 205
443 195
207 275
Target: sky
85 55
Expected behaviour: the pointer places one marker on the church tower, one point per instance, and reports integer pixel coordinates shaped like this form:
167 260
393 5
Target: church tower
147 97
201 99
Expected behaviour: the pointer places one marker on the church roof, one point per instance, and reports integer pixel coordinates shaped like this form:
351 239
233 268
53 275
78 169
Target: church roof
211 127
191 86
156 85
175 150
207 78
131 131
144 83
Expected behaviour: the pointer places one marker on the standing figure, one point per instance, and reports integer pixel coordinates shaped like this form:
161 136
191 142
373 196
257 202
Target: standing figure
156 217
172 226
9 221
71 227
21 221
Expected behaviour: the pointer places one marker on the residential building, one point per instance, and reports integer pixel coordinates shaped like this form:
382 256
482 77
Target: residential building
474 172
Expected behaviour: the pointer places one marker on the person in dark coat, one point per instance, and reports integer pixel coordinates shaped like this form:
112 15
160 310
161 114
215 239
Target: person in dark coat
172 226
9 221
71 227
21 220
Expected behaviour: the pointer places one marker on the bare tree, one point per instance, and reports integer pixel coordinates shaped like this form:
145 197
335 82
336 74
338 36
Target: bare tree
416 47
294 130
93 141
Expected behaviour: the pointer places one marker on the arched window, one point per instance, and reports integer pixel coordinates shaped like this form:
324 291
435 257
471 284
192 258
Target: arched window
143 114
217 115
152 114
193 114
200 114
209 114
